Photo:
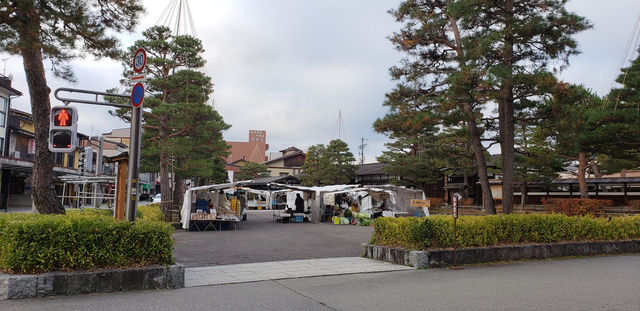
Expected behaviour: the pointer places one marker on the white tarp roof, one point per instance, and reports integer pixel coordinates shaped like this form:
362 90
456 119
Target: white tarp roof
185 212
317 189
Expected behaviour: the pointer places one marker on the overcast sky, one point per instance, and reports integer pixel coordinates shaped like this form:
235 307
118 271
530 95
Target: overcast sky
289 66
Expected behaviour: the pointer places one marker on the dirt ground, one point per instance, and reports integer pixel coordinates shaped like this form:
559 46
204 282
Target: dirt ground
260 239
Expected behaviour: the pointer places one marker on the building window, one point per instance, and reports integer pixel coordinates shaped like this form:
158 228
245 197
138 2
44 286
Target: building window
1 146
4 103
70 159
59 159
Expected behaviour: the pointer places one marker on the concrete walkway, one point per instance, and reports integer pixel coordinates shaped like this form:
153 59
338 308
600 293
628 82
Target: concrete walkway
290 269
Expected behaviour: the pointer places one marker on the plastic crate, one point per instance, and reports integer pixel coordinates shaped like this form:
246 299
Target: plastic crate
298 218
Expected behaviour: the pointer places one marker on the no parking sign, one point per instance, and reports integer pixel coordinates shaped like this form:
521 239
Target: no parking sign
137 95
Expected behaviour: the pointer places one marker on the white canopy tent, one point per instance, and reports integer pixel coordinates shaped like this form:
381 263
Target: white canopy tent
399 197
185 212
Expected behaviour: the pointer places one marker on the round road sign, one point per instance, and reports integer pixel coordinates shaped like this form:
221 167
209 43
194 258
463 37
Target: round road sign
139 60
137 95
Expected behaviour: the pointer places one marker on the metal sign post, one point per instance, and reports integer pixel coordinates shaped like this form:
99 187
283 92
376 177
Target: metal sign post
134 163
455 234
137 98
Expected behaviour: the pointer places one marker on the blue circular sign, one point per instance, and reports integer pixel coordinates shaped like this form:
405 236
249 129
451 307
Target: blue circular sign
137 95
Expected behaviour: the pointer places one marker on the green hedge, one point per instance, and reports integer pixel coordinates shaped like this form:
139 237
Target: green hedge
80 240
151 212
437 231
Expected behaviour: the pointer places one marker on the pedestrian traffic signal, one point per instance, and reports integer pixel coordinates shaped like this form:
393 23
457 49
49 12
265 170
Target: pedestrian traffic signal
62 116
63 129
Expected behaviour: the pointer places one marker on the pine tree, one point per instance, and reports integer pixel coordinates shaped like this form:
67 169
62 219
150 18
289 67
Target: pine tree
181 130
252 170
340 167
513 43
437 84
313 165
59 31
583 127
333 164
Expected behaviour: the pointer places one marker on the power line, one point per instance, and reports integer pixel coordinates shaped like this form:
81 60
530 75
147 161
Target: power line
635 34
177 16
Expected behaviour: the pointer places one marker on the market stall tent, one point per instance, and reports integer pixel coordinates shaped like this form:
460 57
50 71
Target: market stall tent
399 197
185 212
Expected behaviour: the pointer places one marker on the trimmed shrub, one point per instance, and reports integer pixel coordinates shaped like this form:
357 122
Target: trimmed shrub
437 231
576 207
151 212
90 212
80 240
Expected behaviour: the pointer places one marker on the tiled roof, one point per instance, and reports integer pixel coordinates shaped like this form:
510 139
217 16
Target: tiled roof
250 151
371 169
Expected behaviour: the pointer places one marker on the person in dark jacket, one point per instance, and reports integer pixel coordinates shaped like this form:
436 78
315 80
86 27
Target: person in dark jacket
299 204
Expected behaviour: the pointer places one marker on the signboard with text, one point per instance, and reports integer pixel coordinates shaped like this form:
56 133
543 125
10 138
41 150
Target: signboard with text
420 203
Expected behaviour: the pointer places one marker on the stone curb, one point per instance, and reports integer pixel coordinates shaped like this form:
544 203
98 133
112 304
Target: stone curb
444 257
19 286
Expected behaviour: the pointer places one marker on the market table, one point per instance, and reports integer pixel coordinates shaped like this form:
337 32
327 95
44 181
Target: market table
202 225
216 225
280 215
232 222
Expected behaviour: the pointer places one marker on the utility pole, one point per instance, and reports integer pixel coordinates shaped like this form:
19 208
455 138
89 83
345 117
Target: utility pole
362 145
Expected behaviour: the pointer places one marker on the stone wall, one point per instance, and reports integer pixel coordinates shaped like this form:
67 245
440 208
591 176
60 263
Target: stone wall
18 286
444 257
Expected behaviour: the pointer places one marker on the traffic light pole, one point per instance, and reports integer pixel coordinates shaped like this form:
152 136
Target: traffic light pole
134 145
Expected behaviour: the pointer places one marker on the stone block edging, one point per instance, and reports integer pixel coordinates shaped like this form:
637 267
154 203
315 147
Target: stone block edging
471 255
19 286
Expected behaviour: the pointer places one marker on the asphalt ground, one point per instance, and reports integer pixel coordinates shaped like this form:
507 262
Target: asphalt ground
260 239
596 283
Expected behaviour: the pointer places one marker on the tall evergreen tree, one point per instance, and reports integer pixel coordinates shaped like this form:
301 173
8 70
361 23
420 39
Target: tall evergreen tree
340 167
59 31
582 127
535 160
252 170
313 166
181 131
333 164
438 85
514 41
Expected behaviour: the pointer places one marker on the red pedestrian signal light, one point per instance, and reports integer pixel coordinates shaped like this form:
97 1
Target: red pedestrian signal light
62 117
63 129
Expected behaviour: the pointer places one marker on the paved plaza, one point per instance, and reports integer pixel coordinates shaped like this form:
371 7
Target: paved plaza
260 239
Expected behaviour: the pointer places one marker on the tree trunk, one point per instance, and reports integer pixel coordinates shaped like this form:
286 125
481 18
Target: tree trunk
465 180
165 188
178 192
476 142
596 170
43 194
507 116
523 195
582 170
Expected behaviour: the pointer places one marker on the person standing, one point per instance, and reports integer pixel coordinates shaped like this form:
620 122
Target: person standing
299 204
